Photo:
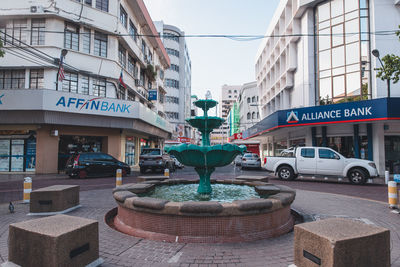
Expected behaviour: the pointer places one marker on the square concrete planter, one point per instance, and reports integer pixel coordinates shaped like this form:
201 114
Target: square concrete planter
58 240
341 242
54 199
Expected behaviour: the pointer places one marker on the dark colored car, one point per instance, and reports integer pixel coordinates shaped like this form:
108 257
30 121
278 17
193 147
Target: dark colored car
155 159
94 164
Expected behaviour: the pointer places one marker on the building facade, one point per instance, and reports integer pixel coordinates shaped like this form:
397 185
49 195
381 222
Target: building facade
229 94
178 79
97 101
317 80
248 100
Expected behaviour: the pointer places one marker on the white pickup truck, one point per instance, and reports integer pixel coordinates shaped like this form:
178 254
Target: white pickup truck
321 161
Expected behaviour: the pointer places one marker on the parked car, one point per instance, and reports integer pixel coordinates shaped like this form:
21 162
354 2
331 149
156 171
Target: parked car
94 164
177 163
251 160
155 159
238 160
321 161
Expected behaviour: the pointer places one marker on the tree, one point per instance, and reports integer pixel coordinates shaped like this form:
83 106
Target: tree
391 67
1 49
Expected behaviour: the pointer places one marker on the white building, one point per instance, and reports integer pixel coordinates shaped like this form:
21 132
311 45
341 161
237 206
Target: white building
178 79
317 80
45 119
248 105
229 94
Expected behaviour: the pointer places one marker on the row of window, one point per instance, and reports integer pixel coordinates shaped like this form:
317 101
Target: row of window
172 99
254 99
171 83
172 115
100 4
75 83
253 115
16 31
172 52
171 36
123 18
15 79
72 36
174 67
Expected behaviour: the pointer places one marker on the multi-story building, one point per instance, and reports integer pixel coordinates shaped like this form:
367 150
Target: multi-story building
248 100
97 101
178 79
229 94
317 79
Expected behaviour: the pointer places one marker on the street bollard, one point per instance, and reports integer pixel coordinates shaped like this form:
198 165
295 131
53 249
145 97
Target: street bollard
118 181
166 172
386 177
27 189
392 196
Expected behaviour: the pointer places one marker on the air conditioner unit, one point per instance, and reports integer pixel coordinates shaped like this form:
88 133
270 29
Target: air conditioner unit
37 9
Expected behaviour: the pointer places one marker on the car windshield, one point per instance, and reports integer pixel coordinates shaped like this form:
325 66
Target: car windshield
251 156
155 151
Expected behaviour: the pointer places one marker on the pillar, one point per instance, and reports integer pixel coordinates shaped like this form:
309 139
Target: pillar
46 151
356 141
370 142
379 146
324 138
314 136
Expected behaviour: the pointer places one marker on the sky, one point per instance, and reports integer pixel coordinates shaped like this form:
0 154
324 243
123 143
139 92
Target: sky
217 61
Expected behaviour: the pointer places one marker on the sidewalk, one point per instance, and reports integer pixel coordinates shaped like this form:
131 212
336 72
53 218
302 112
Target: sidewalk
121 250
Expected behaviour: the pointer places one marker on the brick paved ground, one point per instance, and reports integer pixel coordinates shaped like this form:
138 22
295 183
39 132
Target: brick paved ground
121 250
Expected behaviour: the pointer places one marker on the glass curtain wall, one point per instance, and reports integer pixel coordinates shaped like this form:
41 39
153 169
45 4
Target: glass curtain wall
343 57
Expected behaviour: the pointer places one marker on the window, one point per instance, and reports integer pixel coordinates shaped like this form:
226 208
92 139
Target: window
102 5
172 83
122 55
87 2
258 115
86 39
253 99
99 87
37 33
84 83
308 152
123 17
132 30
131 96
172 52
149 84
248 115
16 31
36 79
248 100
253 115
12 79
171 36
327 154
121 92
172 99
174 67
172 115
71 36
100 44
144 47
132 70
70 82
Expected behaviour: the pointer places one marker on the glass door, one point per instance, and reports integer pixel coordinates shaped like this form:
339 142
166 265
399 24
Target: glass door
17 155
4 155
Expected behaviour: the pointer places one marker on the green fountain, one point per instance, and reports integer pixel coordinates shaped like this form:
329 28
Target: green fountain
205 158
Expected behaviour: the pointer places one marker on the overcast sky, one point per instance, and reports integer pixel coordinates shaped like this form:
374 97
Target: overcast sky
217 61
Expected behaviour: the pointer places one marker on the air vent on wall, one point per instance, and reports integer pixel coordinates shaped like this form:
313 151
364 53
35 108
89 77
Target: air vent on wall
36 9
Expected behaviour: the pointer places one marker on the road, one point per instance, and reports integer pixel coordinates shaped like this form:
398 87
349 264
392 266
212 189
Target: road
11 189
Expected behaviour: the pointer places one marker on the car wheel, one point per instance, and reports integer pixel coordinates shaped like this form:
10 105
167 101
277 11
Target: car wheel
142 170
286 173
357 176
82 174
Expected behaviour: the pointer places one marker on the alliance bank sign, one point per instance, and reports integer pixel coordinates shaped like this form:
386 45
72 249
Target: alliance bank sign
336 114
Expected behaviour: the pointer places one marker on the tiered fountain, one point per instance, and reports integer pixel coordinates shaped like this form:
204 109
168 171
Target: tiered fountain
234 210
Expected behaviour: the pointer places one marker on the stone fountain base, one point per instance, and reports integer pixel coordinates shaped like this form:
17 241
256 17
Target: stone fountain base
204 221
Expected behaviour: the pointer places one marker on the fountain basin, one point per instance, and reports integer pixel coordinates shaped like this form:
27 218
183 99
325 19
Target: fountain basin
204 221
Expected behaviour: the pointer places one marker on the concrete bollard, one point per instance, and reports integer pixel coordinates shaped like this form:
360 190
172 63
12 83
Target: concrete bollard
118 181
27 189
166 172
386 177
392 196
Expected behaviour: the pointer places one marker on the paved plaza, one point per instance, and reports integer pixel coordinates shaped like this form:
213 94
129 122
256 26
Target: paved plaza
118 249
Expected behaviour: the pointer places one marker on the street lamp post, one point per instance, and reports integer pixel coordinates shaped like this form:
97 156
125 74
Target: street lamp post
375 53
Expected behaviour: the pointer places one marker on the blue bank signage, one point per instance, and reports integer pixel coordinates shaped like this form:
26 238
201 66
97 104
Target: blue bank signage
97 103
368 110
152 95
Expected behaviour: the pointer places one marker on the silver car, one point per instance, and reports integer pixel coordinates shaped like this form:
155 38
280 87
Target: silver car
238 160
251 160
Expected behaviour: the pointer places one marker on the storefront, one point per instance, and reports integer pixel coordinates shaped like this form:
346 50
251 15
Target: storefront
365 129
17 151
41 129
